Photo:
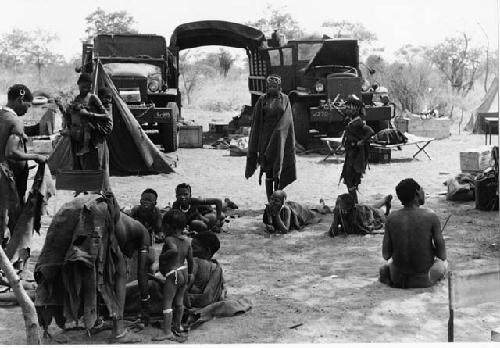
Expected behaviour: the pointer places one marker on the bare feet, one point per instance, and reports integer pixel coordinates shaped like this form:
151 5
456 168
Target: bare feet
169 337
126 338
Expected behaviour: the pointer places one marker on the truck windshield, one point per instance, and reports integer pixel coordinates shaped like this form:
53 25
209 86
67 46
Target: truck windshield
307 50
132 69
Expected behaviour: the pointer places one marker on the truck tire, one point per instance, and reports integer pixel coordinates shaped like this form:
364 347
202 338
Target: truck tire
168 131
301 123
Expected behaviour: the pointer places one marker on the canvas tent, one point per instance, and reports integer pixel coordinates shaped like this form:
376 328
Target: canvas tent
488 108
221 33
131 152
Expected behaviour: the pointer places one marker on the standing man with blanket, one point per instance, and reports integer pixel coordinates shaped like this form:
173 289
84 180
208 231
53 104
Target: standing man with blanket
355 141
13 157
272 139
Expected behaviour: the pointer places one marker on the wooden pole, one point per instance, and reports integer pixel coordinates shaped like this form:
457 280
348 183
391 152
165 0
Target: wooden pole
27 306
451 300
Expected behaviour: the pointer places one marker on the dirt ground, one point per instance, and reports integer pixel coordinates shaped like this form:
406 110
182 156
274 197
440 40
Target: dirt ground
325 287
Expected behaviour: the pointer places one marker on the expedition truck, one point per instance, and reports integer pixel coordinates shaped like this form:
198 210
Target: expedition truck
317 75
145 75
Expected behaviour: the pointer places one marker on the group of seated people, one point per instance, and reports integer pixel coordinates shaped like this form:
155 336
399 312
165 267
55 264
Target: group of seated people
413 242
187 230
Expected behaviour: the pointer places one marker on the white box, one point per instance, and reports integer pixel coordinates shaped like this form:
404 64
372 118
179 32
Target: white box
475 160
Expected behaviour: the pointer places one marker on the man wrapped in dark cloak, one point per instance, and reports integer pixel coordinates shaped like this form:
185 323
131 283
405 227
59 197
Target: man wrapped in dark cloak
355 141
272 139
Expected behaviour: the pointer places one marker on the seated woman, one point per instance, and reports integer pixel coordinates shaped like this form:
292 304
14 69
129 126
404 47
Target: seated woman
281 216
352 218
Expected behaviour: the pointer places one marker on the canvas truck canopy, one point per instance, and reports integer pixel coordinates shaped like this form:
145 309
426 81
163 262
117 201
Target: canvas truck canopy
130 45
336 52
221 33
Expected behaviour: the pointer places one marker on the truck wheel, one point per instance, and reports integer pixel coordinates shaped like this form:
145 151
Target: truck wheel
301 123
168 131
168 136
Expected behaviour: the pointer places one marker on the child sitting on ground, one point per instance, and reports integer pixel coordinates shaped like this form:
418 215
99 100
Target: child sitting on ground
176 249
281 216
148 214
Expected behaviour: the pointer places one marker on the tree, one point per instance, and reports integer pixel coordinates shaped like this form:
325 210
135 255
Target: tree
194 69
226 60
354 30
13 46
458 62
100 22
37 50
27 306
277 18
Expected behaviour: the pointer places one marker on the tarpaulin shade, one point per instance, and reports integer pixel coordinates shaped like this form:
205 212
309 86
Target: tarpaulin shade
221 33
128 45
336 52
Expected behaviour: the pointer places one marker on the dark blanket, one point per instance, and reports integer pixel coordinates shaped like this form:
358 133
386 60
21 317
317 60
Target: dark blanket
300 216
203 300
356 157
351 218
276 153
80 259
207 288
29 220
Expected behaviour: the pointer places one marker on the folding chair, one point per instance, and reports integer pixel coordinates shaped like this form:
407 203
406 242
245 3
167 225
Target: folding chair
469 288
334 145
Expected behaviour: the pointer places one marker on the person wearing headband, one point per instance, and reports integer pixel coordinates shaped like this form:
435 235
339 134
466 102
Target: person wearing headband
14 157
272 139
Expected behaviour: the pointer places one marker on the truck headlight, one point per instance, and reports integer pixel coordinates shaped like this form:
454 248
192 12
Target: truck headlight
319 87
153 86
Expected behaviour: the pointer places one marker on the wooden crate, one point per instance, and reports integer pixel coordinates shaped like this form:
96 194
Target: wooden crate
437 128
218 128
379 155
475 160
190 136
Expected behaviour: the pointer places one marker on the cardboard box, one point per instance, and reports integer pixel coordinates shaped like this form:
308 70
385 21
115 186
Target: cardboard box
437 128
475 160
190 136
218 128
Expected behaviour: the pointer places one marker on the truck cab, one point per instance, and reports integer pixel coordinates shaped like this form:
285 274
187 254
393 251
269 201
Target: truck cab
316 75
144 73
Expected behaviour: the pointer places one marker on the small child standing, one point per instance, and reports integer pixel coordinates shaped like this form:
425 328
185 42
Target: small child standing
176 250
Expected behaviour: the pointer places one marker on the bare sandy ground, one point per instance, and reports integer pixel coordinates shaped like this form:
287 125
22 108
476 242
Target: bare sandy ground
326 286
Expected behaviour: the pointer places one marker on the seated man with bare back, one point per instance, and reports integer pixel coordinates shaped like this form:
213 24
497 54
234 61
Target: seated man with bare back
176 250
413 241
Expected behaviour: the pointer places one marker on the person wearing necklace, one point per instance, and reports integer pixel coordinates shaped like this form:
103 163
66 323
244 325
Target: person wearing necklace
200 220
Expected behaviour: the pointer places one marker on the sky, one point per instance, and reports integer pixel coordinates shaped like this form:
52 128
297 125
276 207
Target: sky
396 22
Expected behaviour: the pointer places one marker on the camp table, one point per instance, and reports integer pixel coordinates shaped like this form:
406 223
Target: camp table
489 122
412 140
